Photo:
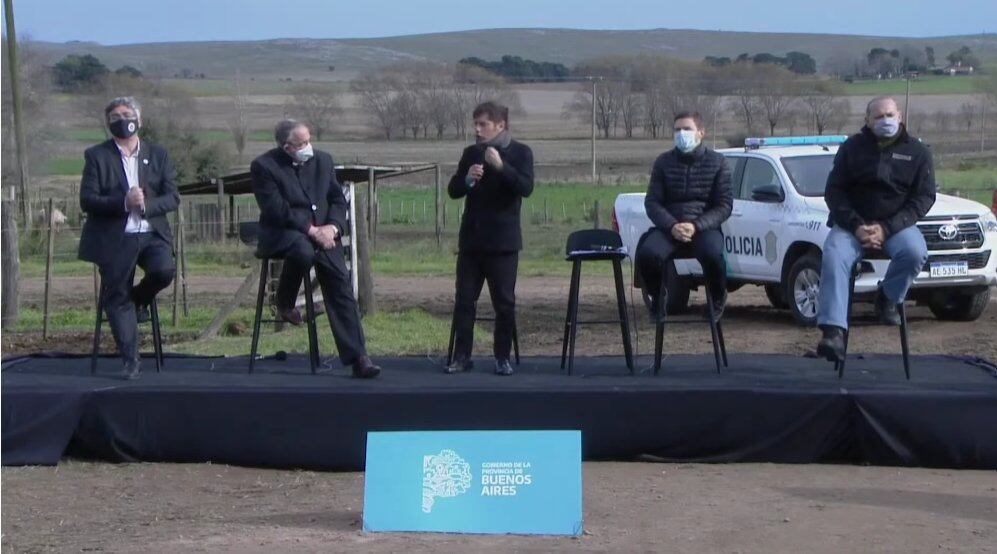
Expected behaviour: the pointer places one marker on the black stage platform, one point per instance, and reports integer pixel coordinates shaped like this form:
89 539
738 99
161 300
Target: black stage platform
765 408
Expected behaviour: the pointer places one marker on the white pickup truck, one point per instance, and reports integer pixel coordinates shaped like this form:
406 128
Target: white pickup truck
778 225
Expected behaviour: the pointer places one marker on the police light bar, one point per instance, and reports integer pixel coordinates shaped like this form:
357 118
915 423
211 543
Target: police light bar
758 142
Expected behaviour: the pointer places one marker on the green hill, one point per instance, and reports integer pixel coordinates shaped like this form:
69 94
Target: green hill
311 58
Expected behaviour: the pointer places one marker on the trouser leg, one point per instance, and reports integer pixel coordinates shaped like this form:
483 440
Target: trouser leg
656 248
156 260
708 248
908 252
298 259
116 275
841 250
470 279
340 306
500 272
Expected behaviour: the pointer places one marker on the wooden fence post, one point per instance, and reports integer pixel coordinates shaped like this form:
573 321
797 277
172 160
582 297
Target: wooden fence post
48 267
366 275
11 260
440 206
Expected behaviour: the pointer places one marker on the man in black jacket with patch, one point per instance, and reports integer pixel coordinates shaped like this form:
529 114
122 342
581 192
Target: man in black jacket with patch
494 175
127 189
689 197
882 182
302 219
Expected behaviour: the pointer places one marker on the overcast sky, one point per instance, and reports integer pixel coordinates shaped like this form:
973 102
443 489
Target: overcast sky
134 21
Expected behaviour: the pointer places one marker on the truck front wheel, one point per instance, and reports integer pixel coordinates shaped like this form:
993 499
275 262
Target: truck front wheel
955 305
803 287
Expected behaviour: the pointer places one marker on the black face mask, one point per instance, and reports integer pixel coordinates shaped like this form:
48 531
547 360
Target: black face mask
124 128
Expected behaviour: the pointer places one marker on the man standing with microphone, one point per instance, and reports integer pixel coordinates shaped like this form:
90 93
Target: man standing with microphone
494 175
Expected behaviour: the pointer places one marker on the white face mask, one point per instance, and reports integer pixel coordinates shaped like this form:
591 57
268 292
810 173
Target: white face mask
304 154
886 127
686 140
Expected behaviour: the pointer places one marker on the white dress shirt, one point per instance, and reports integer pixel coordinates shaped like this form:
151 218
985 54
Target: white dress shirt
136 221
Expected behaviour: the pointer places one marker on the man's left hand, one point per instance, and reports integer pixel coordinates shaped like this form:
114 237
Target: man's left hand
326 236
875 236
493 158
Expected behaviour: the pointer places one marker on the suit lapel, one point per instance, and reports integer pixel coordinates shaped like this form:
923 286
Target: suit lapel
143 166
117 164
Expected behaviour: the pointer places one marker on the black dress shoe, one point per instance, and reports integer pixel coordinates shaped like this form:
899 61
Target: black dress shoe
719 303
364 368
503 367
886 310
832 344
142 313
291 315
459 364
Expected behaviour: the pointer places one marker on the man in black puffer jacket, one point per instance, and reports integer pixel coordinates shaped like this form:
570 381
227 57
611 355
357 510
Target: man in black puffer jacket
687 200
494 175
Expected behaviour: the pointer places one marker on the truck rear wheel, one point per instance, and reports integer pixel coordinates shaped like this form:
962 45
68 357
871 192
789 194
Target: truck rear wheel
803 288
959 306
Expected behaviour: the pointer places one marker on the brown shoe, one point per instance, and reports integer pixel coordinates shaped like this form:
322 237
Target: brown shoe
364 368
292 316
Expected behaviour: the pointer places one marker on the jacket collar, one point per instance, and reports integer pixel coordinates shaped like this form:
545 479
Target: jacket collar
696 154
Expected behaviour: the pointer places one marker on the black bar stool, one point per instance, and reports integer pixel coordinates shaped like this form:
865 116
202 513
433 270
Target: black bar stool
591 245
453 336
157 339
716 329
248 233
857 270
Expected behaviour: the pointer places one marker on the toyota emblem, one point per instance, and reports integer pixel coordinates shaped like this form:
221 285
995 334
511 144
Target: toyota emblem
948 231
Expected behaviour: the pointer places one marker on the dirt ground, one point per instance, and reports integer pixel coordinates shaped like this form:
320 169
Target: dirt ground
628 507
750 323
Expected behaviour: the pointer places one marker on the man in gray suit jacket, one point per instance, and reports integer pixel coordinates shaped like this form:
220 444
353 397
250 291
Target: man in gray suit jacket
127 189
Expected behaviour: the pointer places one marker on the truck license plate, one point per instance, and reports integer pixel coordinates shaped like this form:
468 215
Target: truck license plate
949 269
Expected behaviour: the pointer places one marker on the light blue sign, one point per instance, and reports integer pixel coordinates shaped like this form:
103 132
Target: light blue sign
523 482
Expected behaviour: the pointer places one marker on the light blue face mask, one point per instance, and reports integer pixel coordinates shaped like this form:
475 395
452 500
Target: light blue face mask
304 154
686 140
886 127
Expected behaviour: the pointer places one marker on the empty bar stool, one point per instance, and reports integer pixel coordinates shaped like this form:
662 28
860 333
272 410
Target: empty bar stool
863 266
248 233
716 328
594 245
157 339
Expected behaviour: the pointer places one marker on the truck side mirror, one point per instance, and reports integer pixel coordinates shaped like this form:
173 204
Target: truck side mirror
768 193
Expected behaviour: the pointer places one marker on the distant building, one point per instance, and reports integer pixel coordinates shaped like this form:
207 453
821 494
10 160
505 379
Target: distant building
955 69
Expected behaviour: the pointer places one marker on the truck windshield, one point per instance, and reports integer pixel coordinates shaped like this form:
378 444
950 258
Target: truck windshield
809 173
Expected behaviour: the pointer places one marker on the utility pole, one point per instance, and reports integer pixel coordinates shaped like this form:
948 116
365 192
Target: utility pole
593 79
15 93
907 102
983 123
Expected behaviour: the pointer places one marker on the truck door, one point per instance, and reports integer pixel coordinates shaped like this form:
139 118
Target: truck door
752 235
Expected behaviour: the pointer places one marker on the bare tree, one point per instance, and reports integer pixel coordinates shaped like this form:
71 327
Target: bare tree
967 114
941 120
376 95
238 122
317 104
821 103
776 89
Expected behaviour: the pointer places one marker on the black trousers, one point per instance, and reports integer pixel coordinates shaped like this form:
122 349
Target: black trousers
155 256
473 269
657 247
337 292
